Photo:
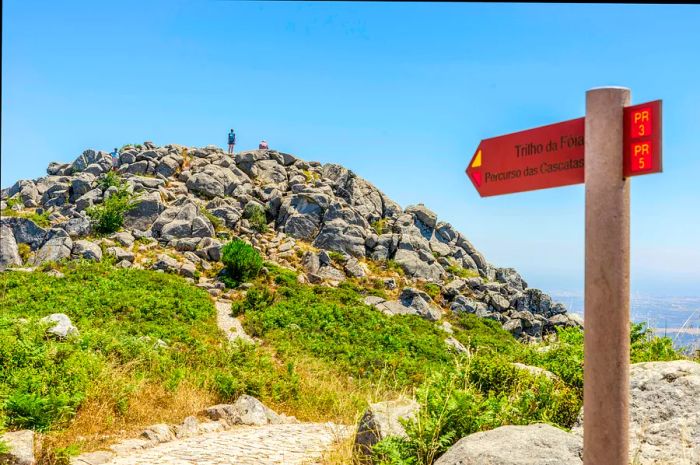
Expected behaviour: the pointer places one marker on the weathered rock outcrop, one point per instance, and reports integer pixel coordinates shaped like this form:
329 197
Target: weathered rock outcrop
181 190
538 444
664 413
380 421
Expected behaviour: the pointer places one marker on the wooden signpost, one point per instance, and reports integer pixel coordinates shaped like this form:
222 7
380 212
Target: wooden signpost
611 143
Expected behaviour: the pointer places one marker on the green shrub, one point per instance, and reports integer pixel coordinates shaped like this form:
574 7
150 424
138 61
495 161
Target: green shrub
432 289
380 226
24 251
337 257
256 216
462 272
41 219
109 215
242 261
476 395
335 326
14 201
392 265
109 179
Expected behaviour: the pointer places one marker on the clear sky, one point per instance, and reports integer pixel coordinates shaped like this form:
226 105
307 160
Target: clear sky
400 93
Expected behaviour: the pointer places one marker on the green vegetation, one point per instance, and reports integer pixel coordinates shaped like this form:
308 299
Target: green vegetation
462 272
256 216
242 262
120 314
335 326
14 202
380 226
213 219
476 394
109 179
311 176
392 265
337 257
487 391
41 219
109 215
432 289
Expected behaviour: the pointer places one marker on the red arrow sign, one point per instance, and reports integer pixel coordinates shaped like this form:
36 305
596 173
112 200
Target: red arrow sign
548 156
553 155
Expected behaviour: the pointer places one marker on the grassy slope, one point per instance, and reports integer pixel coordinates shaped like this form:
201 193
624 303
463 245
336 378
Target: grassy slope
324 356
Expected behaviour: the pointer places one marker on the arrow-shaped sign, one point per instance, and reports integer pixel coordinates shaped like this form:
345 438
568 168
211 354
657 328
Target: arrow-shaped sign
553 155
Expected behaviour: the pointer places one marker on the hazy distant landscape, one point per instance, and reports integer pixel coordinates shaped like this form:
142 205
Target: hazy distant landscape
677 317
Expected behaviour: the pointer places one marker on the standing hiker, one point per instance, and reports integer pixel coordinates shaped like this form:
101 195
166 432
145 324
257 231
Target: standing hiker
263 145
115 158
231 141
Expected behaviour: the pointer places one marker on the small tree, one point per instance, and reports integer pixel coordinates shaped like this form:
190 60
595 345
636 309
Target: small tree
256 216
109 215
242 261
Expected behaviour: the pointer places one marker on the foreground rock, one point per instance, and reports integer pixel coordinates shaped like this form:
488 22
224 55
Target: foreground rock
538 444
60 325
247 410
664 413
21 448
380 421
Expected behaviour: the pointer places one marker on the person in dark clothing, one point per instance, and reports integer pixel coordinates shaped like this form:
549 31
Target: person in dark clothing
231 141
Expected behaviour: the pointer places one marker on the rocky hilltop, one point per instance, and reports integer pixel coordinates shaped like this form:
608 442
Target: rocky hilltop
321 219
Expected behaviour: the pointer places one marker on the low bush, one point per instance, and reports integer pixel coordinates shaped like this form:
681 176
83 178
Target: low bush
108 216
475 395
380 226
256 216
462 272
242 262
335 326
109 179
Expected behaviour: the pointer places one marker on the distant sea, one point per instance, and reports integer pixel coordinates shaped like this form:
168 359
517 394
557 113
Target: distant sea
675 317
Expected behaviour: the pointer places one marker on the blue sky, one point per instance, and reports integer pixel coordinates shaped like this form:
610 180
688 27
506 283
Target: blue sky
400 93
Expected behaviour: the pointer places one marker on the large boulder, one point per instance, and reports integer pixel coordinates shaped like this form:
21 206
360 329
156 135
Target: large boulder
537 444
20 445
58 247
664 413
9 253
182 222
87 250
382 420
148 209
25 231
89 157
423 214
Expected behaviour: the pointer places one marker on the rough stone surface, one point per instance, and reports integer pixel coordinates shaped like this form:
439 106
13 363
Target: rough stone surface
9 253
282 444
381 420
247 410
664 413
61 326
87 250
538 444
21 448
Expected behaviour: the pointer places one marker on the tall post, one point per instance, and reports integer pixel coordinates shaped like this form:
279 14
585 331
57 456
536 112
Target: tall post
607 294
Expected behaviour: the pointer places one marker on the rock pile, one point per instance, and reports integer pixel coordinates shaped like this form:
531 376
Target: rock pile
183 190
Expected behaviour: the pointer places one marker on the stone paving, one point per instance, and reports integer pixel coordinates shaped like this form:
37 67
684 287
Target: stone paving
285 444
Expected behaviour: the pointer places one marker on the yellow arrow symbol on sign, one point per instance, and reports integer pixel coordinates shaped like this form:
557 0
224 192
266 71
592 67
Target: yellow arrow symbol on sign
477 160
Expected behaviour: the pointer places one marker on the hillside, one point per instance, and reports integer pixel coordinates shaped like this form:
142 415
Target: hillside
188 278
193 199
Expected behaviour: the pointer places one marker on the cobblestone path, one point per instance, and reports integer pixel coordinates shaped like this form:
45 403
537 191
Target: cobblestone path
286 444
